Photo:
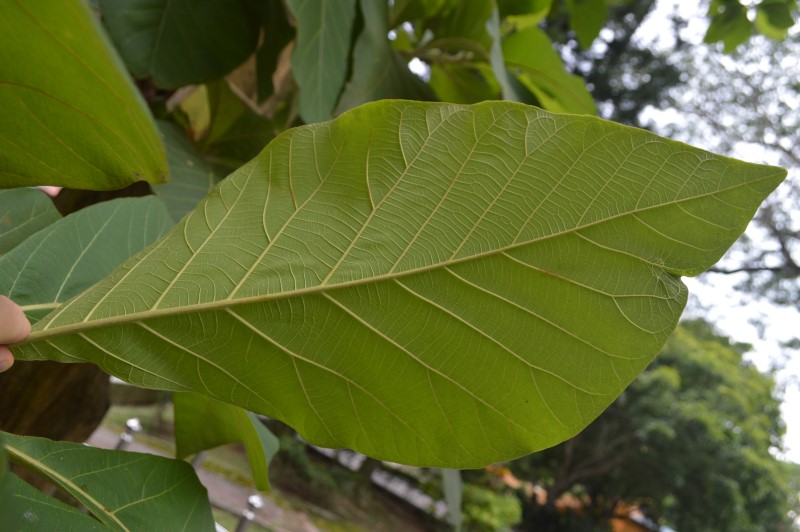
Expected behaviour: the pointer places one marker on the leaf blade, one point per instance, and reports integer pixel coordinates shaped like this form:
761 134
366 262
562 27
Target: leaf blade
493 270
91 131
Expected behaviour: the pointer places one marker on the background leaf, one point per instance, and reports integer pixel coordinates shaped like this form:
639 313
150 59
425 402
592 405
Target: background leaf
72 254
71 116
180 42
319 61
203 423
587 18
509 269
23 211
192 177
543 73
124 491
379 72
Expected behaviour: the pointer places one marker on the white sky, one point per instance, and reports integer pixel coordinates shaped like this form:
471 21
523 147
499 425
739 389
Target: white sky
726 309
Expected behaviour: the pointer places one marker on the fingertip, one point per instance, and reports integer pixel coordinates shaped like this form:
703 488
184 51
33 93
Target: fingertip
14 325
6 359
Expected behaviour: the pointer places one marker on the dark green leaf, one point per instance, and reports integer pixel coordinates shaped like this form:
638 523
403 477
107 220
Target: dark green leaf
23 211
180 42
71 116
426 283
730 25
379 72
203 423
319 61
25 508
457 83
124 491
587 18
72 254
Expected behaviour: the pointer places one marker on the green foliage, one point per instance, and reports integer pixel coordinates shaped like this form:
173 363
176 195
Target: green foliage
123 491
180 42
23 212
508 269
485 510
350 249
319 61
60 261
70 115
203 423
694 432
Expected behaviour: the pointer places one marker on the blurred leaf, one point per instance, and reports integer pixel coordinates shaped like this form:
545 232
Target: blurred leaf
235 132
124 491
587 18
203 423
463 83
468 20
774 18
70 255
319 61
412 10
192 177
543 73
379 72
528 8
26 508
23 211
71 116
180 42
729 24
510 270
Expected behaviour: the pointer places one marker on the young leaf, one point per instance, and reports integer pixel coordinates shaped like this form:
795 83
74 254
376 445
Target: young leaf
72 254
124 491
180 42
430 284
319 62
23 211
71 116
203 423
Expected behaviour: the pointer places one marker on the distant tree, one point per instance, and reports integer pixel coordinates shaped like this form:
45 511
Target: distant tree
690 442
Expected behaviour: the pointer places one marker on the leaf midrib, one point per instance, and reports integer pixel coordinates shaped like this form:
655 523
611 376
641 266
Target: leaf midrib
98 509
227 303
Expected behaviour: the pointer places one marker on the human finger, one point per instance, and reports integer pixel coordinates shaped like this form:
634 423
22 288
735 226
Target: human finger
6 358
14 326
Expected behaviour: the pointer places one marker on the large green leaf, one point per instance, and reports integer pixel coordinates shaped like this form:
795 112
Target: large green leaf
426 283
23 211
379 72
203 423
319 62
70 255
530 56
71 116
124 491
180 42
